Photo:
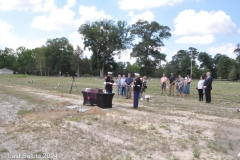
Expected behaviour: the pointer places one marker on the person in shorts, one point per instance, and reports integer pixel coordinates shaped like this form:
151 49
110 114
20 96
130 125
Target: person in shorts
163 83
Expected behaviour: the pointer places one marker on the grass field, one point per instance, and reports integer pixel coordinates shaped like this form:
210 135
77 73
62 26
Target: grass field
35 120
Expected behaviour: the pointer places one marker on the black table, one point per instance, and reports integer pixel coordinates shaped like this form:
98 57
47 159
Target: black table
103 100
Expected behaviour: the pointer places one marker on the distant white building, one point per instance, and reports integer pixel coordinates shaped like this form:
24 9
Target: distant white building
6 71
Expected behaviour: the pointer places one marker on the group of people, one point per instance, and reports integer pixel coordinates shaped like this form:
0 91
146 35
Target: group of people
125 85
183 86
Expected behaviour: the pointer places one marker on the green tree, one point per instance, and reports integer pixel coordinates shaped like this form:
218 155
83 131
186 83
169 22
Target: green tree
147 50
121 67
76 60
111 65
159 71
132 68
40 61
59 54
25 60
237 51
206 60
85 66
8 59
105 39
225 64
233 74
183 61
168 69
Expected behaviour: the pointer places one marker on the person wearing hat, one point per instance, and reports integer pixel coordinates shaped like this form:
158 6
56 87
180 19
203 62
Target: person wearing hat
109 83
137 89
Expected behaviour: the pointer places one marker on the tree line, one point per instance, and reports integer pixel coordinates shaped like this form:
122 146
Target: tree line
107 39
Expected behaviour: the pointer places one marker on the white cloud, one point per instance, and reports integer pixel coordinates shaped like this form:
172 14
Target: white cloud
70 3
76 39
147 15
145 4
22 5
63 18
125 57
58 19
188 22
90 14
205 39
200 27
224 48
5 34
46 6
130 14
8 39
32 5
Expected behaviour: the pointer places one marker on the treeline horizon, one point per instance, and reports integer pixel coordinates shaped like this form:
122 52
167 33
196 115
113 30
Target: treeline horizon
107 39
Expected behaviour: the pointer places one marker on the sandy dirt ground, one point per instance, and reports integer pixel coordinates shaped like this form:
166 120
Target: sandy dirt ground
47 124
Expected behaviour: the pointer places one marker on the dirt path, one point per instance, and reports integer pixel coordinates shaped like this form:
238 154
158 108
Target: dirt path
42 124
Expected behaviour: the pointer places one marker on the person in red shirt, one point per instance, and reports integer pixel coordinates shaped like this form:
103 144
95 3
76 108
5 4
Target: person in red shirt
163 83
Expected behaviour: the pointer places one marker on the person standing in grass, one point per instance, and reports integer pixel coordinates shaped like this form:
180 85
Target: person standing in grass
200 88
119 84
140 94
129 82
177 81
144 87
123 86
137 88
208 87
109 82
187 85
163 83
171 84
181 88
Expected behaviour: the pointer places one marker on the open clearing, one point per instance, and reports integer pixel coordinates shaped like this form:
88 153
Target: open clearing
35 119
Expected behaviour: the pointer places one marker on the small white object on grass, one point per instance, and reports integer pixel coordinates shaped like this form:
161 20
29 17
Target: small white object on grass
83 110
147 96
59 84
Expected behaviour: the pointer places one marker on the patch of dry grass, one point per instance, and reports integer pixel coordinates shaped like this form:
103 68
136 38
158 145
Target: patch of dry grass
164 128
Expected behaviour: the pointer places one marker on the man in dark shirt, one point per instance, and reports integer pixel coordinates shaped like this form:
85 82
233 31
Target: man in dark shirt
137 89
109 83
171 84
129 82
208 87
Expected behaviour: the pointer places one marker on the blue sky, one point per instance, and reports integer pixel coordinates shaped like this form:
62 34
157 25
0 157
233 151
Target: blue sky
211 26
